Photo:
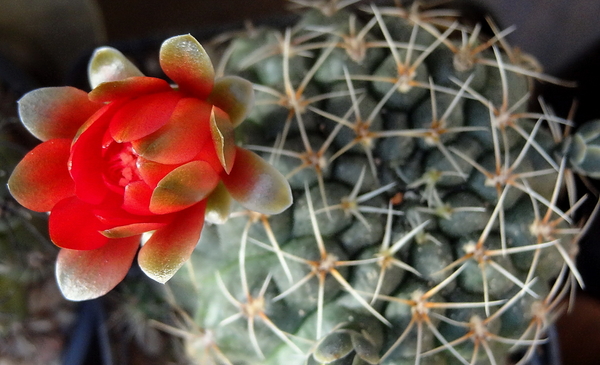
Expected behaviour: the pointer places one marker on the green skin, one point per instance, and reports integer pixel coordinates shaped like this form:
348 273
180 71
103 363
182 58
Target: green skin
299 287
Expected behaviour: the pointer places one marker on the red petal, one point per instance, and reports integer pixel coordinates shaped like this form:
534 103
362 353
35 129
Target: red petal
257 185
208 153
30 183
184 60
152 172
86 156
108 64
223 138
116 219
55 112
136 199
72 224
142 116
84 275
218 205
183 187
131 87
182 137
233 95
132 229
170 247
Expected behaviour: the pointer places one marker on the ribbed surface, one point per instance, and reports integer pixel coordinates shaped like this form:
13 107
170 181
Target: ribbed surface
425 227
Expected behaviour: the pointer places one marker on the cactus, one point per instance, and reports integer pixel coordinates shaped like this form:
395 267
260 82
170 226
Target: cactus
429 224
426 226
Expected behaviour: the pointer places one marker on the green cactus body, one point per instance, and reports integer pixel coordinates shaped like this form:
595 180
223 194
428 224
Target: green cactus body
425 227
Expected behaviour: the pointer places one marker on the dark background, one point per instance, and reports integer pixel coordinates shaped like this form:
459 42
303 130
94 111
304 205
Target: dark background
45 34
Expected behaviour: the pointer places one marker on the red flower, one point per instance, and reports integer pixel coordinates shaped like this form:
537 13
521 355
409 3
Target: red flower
138 155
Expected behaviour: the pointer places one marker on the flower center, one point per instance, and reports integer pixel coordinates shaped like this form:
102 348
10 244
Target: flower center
121 165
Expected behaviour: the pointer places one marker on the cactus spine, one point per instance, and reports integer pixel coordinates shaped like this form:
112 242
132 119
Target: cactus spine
426 227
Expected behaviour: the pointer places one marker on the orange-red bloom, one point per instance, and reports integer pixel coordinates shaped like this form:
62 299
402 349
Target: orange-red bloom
138 155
